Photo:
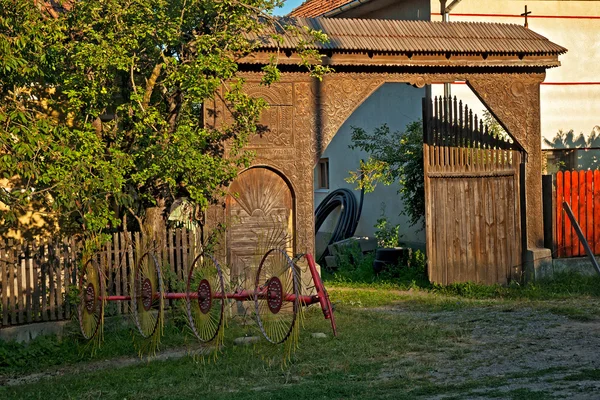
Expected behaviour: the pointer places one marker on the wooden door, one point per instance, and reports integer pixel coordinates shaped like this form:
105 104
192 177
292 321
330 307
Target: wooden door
260 211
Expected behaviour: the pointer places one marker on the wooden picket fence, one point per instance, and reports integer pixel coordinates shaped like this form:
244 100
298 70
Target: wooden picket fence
581 190
37 279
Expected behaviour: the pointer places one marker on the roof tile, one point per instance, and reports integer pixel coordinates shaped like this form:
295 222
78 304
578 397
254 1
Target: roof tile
403 36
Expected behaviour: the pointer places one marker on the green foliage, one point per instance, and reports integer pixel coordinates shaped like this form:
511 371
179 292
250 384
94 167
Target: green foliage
495 129
560 286
15 355
409 273
396 156
355 269
353 265
386 234
102 107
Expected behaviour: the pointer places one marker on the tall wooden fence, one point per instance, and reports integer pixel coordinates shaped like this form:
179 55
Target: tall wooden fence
37 280
472 197
581 190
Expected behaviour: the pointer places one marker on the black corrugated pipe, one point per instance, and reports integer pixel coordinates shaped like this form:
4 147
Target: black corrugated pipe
349 216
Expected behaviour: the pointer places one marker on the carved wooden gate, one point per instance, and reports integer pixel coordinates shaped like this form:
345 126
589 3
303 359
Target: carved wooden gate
260 211
472 197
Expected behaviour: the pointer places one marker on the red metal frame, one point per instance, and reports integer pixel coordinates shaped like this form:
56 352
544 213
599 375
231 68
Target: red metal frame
245 295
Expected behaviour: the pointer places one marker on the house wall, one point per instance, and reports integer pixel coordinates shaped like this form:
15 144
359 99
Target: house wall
375 111
390 9
395 104
570 95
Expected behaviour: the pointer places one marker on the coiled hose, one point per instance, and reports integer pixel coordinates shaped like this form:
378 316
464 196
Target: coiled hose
349 216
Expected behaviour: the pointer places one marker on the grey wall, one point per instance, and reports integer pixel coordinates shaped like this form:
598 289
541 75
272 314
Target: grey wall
396 104
390 9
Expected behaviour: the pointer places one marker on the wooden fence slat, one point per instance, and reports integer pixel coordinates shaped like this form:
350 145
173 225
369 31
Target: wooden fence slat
28 281
582 209
596 212
59 265
52 282
178 253
11 284
131 259
117 265
560 244
185 248
4 267
567 222
37 280
171 248
589 203
575 207
45 279
19 292
64 246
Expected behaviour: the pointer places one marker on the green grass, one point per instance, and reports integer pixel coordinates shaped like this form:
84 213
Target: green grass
370 343
386 349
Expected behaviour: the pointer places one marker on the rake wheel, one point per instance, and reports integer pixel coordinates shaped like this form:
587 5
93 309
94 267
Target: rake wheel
147 298
276 296
205 298
91 306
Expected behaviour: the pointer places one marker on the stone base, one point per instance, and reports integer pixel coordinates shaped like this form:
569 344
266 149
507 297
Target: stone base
538 264
26 333
578 265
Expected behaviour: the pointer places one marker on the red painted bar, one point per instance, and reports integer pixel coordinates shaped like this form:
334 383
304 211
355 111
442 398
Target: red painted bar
115 298
240 296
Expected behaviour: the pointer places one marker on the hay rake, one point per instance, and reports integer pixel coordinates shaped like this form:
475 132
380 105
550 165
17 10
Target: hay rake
276 296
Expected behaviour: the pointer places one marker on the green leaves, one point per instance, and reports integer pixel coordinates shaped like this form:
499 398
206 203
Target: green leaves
102 108
394 157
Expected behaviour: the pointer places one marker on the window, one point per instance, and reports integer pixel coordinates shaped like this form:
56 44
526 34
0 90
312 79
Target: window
323 174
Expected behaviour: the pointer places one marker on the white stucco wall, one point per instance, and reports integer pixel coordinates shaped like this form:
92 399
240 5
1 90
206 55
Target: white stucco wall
395 104
565 104
568 100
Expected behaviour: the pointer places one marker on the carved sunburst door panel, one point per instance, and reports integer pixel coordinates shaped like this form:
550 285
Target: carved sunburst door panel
260 213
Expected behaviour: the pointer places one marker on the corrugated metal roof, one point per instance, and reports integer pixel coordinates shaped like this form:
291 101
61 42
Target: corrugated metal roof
420 37
315 8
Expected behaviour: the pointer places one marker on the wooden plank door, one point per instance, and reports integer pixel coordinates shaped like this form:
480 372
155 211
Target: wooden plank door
260 216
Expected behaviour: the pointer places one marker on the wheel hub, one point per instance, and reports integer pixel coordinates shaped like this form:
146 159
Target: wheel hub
90 298
274 294
147 294
204 296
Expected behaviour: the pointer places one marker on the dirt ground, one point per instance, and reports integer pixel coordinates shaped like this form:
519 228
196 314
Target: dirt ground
532 348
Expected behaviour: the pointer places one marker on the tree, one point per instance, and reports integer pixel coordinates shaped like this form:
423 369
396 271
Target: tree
102 104
396 156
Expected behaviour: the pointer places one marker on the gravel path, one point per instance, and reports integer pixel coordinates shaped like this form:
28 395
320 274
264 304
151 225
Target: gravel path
501 352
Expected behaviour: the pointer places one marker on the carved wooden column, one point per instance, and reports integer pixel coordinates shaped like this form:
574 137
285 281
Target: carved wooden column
514 99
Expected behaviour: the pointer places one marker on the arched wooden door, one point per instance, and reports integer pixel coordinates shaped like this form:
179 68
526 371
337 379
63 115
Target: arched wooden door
260 216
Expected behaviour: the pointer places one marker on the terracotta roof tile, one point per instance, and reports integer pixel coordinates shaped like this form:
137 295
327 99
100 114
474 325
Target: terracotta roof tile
315 8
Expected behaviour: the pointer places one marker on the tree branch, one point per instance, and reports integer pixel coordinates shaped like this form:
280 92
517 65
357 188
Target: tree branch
150 84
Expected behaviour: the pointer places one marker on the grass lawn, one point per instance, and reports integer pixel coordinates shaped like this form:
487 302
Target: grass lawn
464 341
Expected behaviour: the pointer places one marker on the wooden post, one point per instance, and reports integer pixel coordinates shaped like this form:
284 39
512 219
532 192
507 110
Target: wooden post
548 202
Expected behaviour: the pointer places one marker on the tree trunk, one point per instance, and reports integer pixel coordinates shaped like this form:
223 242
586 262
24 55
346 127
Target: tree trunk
154 223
